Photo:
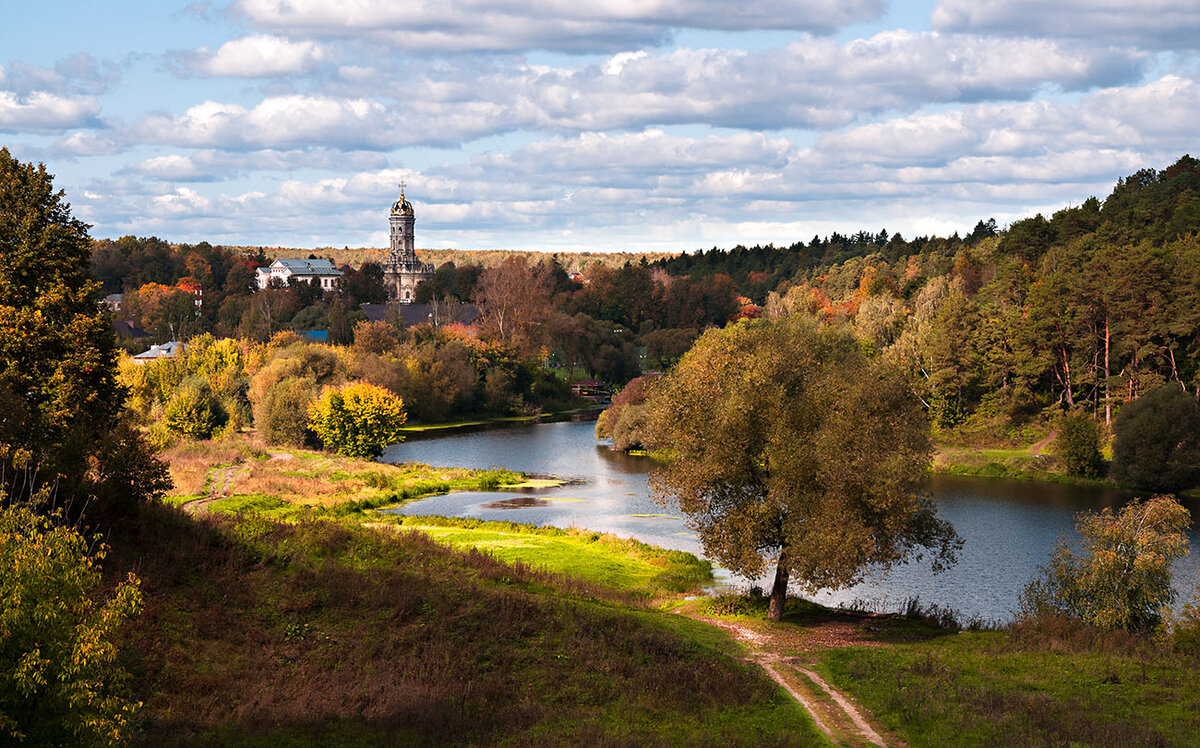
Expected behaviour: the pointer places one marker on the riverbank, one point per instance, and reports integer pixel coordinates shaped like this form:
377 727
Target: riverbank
455 427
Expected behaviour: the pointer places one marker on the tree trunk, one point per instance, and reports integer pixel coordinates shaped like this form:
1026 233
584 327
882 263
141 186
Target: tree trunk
1107 374
779 589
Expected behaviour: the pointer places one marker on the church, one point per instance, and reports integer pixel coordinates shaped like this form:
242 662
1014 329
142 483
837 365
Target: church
402 271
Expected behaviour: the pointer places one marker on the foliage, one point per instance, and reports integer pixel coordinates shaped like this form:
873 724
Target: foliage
786 444
1157 444
193 412
624 421
1078 445
281 413
1122 578
58 392
60 681
357 420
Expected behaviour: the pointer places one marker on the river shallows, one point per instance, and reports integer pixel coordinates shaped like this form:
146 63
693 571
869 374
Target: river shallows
1009 527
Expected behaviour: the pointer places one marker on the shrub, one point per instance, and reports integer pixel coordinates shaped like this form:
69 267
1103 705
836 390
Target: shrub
281 415
1078 445
60 683
193 412
625 419
1123 578
1157 445
358 420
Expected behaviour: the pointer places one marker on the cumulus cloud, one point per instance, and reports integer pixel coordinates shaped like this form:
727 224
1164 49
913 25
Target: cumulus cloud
816 83
46 112
254 56
578 26
1154 24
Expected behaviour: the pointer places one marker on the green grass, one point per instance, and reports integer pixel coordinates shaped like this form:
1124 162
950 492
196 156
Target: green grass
600 558
994 688
258 632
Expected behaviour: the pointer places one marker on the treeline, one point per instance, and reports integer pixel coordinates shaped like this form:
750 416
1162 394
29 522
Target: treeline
1088 308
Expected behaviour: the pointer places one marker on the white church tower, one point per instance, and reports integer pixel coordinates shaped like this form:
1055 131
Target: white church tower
403 271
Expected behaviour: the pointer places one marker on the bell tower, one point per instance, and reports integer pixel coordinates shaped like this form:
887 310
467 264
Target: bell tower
403 272
403 244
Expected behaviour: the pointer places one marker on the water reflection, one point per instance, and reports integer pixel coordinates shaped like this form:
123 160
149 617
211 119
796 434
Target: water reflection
1009 528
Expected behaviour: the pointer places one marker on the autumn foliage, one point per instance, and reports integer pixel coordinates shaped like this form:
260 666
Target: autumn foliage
357 420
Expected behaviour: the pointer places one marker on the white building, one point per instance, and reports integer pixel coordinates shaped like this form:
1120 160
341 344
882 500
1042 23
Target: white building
321 272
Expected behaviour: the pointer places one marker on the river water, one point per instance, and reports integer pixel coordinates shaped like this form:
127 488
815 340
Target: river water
1009 528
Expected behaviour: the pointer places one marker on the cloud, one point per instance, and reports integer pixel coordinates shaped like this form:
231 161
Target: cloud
1153 24
512 25
46 112
255 56
816 83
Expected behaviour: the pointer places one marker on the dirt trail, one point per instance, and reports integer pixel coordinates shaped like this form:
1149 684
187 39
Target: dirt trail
835 714
1036 449
220 482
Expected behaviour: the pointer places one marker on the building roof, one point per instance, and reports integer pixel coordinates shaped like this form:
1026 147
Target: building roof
166 350
415 314
307 267
126 329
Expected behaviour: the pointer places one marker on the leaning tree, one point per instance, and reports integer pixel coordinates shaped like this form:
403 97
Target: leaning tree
786 445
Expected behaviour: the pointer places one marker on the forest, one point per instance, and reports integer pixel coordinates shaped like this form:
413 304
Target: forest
1087 308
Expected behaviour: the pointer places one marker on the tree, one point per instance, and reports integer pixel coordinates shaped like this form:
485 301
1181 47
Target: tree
787 444
1157 444
358 420
1122 579
58 391
1078 445
515 301
624 421
60 682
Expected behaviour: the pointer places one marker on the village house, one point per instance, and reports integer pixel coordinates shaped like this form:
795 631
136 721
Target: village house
323 273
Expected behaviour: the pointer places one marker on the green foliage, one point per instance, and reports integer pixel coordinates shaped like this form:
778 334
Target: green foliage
1078 445
1157 444
281 414
58 393
788 445
1122 578
358 420
193 412
60 683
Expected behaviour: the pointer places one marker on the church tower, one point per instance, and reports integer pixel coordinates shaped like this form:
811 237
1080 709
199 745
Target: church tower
403 271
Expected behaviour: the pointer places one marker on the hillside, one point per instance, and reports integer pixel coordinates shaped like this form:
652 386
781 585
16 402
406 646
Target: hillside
258 632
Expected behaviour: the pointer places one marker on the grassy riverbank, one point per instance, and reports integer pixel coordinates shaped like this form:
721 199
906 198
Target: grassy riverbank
259 632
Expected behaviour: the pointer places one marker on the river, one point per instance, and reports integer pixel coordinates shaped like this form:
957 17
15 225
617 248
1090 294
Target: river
1009 528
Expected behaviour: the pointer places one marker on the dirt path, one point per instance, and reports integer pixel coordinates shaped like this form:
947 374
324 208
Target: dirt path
220 482
1036 449
835 714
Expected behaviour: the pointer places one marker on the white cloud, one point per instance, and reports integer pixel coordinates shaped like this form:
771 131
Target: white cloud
255 56
577 25
1155 24
45 112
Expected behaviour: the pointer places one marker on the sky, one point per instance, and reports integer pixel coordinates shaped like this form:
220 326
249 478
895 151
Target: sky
574 125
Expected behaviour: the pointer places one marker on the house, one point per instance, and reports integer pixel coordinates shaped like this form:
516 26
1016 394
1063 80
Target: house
415 314
113 301
126 329
156 352
321 272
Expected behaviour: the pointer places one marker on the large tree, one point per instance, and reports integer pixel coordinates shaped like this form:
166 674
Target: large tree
787 445
58 391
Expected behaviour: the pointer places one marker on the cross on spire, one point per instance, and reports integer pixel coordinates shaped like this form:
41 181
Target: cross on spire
402 189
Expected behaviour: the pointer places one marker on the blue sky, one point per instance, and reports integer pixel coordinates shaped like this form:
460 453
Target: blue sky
576 125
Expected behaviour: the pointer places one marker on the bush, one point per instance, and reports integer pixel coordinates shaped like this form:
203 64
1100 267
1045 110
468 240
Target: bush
1078 445
1123 578
193 412
358 420
1157 445
625 419
281 415
60 683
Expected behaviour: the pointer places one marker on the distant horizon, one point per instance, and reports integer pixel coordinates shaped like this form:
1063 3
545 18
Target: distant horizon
591 126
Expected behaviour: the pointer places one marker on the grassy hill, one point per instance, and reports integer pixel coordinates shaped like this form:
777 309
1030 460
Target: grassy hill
258 632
